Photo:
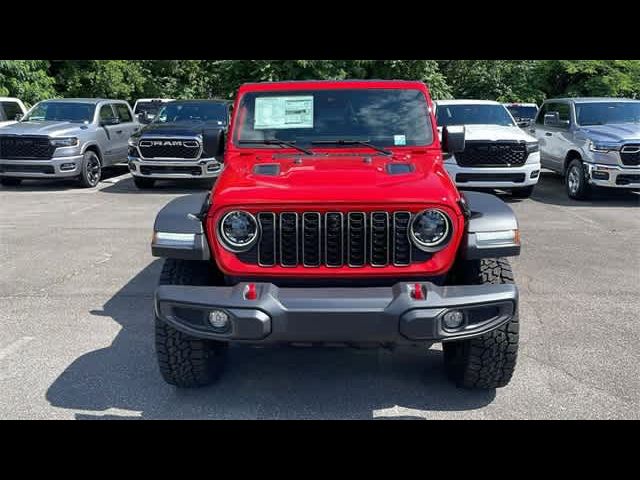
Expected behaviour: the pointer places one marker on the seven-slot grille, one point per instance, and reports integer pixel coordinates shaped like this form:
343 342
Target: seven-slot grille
630 155
492 154
25 147
334 239
169 148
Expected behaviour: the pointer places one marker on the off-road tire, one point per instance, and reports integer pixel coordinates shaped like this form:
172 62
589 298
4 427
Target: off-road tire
144 183
90 170
522 192
487 361
10 181
583 190
187 361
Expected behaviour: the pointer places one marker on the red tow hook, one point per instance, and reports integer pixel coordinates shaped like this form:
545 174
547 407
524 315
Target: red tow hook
417 292
250 292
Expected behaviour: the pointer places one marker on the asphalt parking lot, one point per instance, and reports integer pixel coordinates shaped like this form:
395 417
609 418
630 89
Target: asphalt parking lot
76 336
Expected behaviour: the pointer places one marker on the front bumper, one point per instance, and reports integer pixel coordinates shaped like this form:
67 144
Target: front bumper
56 167
201 168
380 315
613 176
495 177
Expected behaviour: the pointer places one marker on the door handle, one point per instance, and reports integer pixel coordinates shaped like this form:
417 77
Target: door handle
118 131
548 134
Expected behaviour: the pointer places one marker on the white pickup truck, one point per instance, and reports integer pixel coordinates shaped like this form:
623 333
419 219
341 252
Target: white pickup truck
9 108
497 153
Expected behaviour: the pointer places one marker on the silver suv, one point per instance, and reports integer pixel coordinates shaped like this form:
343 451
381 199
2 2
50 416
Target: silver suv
593 142
66 138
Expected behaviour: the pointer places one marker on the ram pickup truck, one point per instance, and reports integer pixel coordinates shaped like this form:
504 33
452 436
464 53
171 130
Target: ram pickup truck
591 142
498 154
334 222
66 138
182 142
11 110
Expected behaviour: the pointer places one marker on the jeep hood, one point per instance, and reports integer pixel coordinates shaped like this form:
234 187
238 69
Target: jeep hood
619 132
50 128
346 179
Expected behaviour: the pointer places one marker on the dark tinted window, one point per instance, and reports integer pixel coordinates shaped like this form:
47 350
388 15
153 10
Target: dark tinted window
123 112
384 117
602 113
563 109
9 110
152 108
522 112
62 112
193 112
473 114
106 112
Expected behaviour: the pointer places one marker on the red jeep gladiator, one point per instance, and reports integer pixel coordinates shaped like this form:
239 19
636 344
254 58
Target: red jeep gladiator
335 222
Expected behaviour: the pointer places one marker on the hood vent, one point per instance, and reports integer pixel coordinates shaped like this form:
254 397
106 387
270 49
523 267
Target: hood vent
272 169
399 168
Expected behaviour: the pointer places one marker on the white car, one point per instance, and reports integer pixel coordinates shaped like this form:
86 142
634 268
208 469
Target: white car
149 107
9 108
497 153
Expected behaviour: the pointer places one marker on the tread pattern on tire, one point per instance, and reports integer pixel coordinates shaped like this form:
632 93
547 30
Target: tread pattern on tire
487 361
187 361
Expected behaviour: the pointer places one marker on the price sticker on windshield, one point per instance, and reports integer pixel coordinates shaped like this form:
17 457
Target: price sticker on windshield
399 140
283 112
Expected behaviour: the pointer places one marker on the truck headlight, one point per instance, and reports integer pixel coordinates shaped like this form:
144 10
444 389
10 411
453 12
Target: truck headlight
532 147
64 142
603 147
239 231
430 229
133 142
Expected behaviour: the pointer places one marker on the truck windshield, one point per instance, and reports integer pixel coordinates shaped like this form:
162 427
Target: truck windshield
61 112
152 108
471 114
519 111
193 112
334 118
602 113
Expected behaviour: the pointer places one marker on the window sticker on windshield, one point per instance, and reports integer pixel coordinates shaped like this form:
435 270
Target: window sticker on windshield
283 112
399 140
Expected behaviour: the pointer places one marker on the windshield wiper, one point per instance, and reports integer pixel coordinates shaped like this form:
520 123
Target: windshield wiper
352 142
273 141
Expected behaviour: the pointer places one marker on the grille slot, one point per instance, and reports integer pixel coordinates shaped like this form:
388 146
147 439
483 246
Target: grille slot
356 239
334 236
401 244
267 245
379 239
630 155
492 154
289 239
158 148
25 147
311 240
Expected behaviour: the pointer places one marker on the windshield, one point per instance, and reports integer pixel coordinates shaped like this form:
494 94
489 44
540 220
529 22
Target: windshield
522 112
380 117
602 113
61 112
193 112
152 108
470 114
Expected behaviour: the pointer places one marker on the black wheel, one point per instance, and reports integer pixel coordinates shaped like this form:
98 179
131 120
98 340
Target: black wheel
91 170
522 192
142 182
487 361
576 181
10 181
187 361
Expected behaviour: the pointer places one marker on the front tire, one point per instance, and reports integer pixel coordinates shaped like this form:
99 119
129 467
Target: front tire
576 182
522 192
10 181
91 170
186 361
487 361
144 183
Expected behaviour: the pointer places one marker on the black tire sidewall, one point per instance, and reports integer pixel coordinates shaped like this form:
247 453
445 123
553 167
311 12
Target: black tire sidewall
84 177
583 187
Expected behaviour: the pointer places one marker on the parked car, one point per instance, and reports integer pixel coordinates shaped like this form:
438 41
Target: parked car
182 142
334 222
146 109
11 110
66 138
523 113
592 142
498 154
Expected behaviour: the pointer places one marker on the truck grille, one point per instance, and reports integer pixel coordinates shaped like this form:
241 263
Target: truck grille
492 154
334 239
25 147
169 148
630 155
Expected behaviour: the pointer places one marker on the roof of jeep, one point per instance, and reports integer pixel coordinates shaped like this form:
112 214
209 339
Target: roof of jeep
592 99
325 84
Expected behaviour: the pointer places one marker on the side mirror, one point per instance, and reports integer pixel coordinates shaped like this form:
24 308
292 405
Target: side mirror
453 140
110 121
19 117
524 123
143 117
552 119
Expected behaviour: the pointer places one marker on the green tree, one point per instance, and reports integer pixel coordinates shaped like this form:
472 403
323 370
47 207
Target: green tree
28 80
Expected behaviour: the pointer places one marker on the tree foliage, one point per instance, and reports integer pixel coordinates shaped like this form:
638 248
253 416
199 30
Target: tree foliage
28 80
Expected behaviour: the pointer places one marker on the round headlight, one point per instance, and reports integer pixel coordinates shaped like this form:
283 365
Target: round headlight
239 230
430 229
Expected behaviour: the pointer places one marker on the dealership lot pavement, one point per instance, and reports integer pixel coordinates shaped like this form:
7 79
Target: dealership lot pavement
76 284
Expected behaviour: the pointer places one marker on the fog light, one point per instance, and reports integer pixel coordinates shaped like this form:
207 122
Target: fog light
218 319
534 174
132 167
213 167
453 319
68 166
597 175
